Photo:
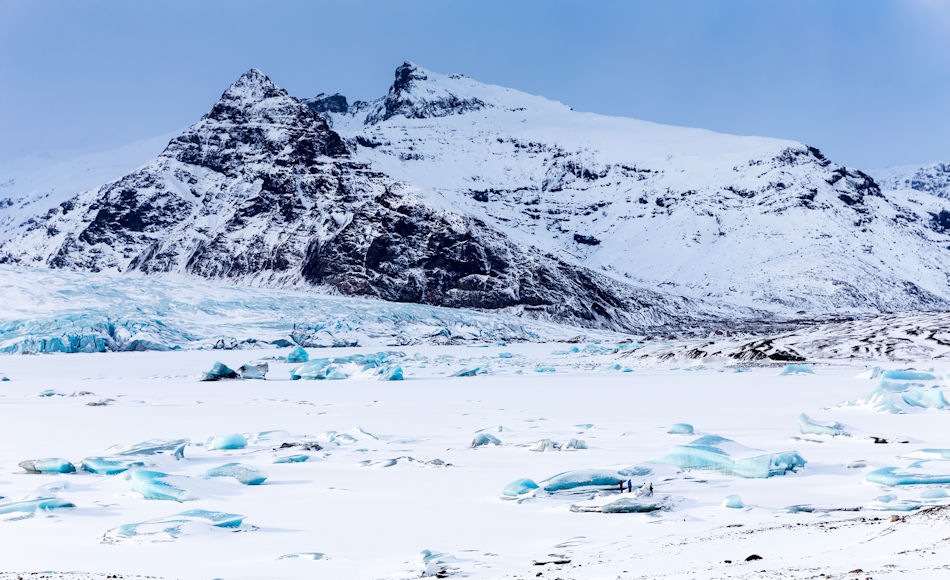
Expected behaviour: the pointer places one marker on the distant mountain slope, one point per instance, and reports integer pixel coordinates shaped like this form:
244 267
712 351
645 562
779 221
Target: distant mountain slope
261 191
763 222
933 178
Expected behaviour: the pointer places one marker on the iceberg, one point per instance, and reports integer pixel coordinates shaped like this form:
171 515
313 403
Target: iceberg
733 501
231 441
883 400
925 399
681 429
576 444
891 476
104 466
220 371
545 445
298 458
155 447
245 474
30 506
251 371
519 488
715 453
808 426
634 505
151 485
591 478
908 375
172 527
298 355
482 439
49 465
367 366
470 372
797 370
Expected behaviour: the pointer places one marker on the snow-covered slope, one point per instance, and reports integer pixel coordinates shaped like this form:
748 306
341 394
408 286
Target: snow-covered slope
933 178
31 186
261 191
764 222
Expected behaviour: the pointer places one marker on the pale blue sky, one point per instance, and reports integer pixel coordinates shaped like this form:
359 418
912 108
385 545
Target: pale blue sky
867 81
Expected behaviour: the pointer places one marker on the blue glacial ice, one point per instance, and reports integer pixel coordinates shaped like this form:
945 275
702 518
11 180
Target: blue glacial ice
925 476
175 447
4 378
925 399
63 311
483 439
591 478
733 501
808 426
172 527
797 370
246 474
49 465
220 371
505 355
229 441
30 506
519 488
884 400
252 371
681 429
715 453
152 485
471 372
908 375
378 366
103 466
298 355
297 458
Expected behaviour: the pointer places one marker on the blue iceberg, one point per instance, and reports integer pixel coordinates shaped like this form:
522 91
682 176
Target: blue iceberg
681 429
808 426
298 458
298 355
231 441
797 370
156 447
733 501
32 505
591 478
151 485
470 372
715 453
925 399
891 476
49 465
519 488
220 371
377 366
908 375
103 466
245 474
172 527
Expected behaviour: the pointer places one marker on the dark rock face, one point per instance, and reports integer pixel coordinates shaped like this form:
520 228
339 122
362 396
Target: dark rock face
401 101
324 103
262 191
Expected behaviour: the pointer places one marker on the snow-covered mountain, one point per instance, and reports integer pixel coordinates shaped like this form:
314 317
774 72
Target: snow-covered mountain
764 222
933 178
261 191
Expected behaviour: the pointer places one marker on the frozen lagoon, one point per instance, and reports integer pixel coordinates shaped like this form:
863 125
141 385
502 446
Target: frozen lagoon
375 522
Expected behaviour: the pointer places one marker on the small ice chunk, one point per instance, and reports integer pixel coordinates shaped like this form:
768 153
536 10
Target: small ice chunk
797 370
733 501
151 485
298 355
470 372
482 439
172 527
157 446
681 429
576 444
717 453
545 445
246 474
231 441
505 355
30 506
438 565
519 488
808 426
3 378
49 465
891 476
544 369
251 371
303 556
220 371
297 458
103 466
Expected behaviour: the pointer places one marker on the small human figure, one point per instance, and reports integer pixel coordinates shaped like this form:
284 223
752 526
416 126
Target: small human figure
621 485
629 486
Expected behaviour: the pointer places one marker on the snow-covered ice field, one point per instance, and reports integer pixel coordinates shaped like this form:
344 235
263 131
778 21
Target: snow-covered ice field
373 499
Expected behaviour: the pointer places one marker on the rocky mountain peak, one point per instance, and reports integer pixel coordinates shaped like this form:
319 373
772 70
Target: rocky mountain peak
406 73
419 94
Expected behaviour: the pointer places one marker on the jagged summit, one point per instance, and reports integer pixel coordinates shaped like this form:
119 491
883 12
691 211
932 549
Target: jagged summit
252 86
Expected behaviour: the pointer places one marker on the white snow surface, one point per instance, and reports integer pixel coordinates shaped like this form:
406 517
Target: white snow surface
372 503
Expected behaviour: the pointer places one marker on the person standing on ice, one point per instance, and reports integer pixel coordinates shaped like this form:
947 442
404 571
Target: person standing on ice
629 486
621 485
